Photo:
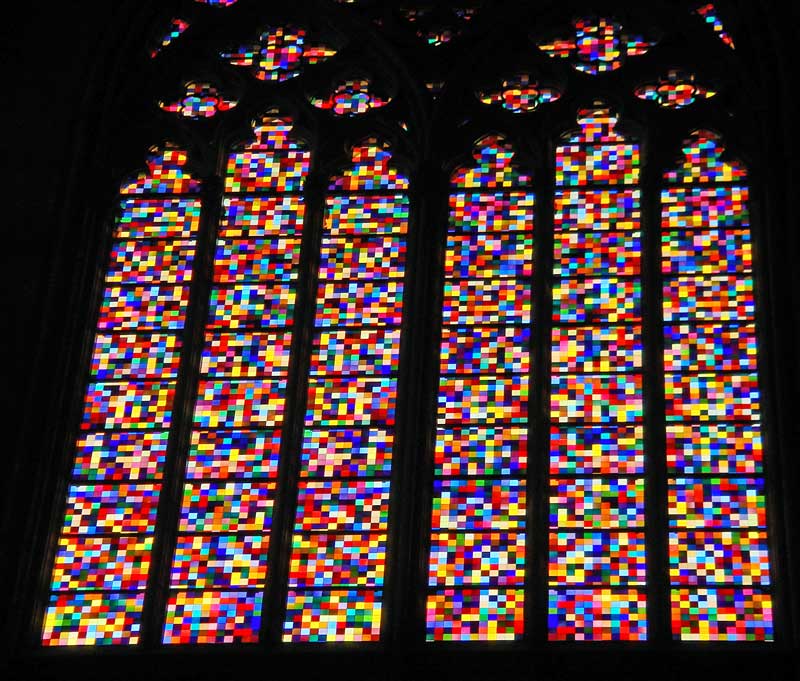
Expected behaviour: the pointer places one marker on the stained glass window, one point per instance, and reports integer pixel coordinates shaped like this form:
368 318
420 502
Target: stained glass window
279 54
200 100
598 45
339 544
104 552
219 568
597 545
718 554
477 556
257 462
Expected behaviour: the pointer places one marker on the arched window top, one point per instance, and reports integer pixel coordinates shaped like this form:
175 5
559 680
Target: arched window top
703 162
271 161
495 168
371 170
165 174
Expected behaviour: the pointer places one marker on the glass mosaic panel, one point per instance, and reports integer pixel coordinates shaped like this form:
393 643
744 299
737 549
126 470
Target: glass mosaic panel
353 216
246 354
354 303
328 560
220 561
478 534
353 352
105 508
705 207
243 260
480 450
339 544
706 251
213 617
596 399
477 558
597 45
151 262
718 547
738 558
256 217
104 550
226 506
221 454
362 258
596 450
478 504
117 563
482 350
118 456
597 615
597 503
336 615
347 453
476 301
712 298
239 404
709 448
612 558
710 347
596 542
593 254
91 619
143 308
716 502
120 356
252 306
616 210
717 614
168 218
491 211
219 565
597 349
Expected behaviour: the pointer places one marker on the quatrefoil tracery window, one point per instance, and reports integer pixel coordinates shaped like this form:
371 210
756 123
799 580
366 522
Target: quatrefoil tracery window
266 379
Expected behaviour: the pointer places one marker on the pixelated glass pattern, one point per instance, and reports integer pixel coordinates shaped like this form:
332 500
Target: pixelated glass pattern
597 557
339 544
219 567
476 570
177 27
597 614
718 543
710 15
104 549
598 45
351 97
676 90
520 94
279 54
200 100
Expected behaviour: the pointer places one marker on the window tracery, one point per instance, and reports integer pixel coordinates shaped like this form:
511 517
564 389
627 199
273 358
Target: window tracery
479 572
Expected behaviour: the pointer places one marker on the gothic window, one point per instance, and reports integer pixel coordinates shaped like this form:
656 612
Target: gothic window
428 327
